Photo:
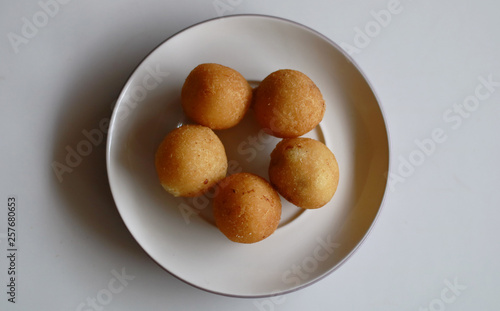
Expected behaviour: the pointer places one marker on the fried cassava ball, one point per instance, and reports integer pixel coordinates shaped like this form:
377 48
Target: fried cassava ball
304 171
190 160
246 208
216 96
288 104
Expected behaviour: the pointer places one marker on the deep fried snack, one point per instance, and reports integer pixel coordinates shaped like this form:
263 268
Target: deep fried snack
246 208
190 160
216 96
304 171
288 104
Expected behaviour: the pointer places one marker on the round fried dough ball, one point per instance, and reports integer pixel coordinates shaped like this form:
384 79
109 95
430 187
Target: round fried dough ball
288 104
246 208
190 160
304 171
216 96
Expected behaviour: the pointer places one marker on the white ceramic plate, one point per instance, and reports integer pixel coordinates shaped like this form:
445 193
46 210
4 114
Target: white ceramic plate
179 234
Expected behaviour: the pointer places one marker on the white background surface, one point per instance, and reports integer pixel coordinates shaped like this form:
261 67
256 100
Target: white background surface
438 225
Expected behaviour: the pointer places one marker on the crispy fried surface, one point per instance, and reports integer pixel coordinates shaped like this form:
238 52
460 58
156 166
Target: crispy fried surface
304 171
216 96
288 104
246 208
190 160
